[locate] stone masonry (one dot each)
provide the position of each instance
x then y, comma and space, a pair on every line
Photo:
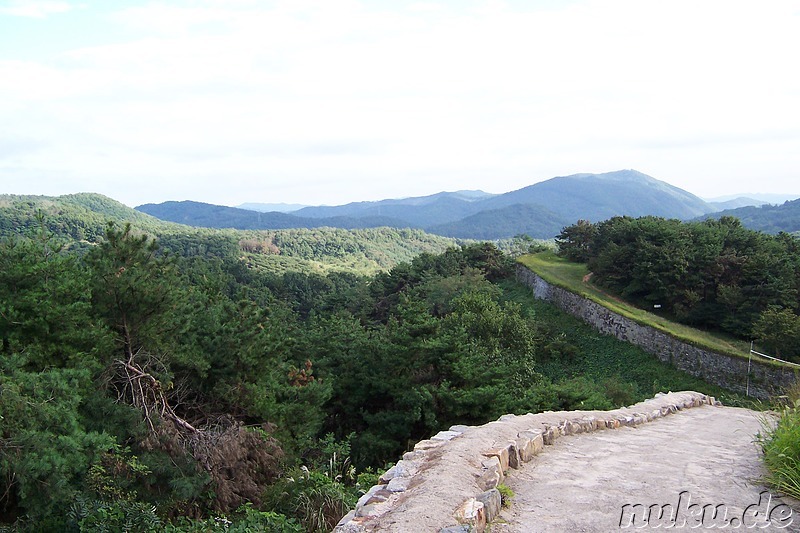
729, 372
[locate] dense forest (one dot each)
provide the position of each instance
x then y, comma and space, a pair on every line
713, 274
767, 218
171, 383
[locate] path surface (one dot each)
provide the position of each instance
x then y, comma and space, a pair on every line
698, 457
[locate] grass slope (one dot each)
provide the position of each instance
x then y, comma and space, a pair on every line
606, 360
570, 276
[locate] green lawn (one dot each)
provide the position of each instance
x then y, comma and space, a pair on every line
567, 275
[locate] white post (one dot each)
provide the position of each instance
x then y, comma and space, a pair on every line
749, 360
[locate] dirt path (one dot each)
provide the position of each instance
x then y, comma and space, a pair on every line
704, 456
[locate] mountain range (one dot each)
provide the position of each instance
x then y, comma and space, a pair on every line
539, 210
767, 218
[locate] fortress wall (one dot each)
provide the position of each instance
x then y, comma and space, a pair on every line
448, 483
726, 371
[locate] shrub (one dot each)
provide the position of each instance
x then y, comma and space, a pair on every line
781, 445
315, 500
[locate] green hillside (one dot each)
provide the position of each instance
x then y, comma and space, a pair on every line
533, 220
767, 218
82, 218
572, 276
251, 380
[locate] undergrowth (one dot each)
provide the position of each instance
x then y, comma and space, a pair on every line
781, 445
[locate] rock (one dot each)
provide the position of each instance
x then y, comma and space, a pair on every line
502, 453
550, 435
492, 503
398, 484
387, 476
349, 524
513, 455
463, 528
427, 444
472, 513
446, 435
491, 474
413, 456
363, 500
459, 428
524, 448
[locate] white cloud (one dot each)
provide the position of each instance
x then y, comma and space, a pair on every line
417, 97
34, 8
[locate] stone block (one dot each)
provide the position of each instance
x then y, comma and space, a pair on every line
427, 444
349, 524
389, 475
445, 435
514, 460
364, 500
503, 453
524, 449
413, 456
472, 513
538, 442
491, 473
550, 435
492, 503
398, 484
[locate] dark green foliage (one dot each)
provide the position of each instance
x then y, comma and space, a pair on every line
714, 274
535, 220
171, 385
778, 329
311, 498
767, 218
574, 242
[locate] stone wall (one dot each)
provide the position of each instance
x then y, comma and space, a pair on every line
726, 371
448, 483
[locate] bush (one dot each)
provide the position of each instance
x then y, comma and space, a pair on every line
315, 500
781, 445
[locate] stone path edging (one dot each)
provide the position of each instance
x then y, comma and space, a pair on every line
423, 484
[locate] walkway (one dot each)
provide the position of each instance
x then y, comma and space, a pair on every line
686, 465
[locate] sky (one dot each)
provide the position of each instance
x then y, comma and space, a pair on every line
332, 101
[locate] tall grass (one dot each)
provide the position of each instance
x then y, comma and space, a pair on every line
781, 444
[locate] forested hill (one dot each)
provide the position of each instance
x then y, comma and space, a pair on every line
713, 274
191, 391
767, 218
81, 219
539, 210
81, 216
218, 216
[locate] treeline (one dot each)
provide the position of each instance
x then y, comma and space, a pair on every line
141, 389
714, 274
150, 388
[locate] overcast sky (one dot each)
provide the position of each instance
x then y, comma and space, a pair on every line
330, 101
